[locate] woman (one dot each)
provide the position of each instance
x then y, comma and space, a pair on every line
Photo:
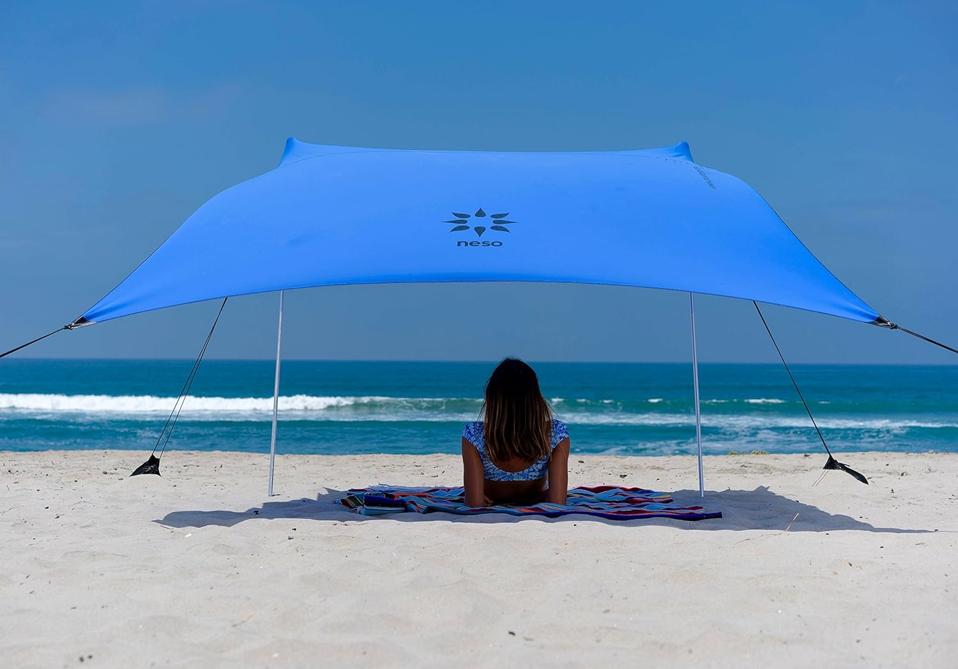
519, 454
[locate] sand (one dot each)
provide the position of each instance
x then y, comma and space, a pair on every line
194, 570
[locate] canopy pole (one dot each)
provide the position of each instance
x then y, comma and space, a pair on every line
279, 352
695, 391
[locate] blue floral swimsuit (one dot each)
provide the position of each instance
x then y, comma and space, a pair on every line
537, 470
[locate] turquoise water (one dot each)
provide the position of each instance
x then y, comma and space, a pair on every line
419, 407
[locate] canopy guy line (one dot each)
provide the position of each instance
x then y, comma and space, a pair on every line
78, 323
152, 464
34, 341
885, 323
831, 463
185, 390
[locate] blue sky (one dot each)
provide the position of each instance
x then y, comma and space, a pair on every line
117, 120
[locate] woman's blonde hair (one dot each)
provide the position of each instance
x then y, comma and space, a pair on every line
517, 418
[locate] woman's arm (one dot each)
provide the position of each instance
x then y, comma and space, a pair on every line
472, 476
559, 472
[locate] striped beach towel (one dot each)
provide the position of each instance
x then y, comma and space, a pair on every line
610, 502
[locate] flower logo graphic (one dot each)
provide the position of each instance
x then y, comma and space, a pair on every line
479, 222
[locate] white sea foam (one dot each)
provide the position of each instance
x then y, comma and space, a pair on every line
426, 409
747, 423
370, 407
153, 403
764, 400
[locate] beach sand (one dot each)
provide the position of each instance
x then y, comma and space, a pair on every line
194, 570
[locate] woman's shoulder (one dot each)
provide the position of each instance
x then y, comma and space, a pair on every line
473, 432
560, 431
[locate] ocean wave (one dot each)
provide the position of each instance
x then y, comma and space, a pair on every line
744, 423
375, 408
226, 407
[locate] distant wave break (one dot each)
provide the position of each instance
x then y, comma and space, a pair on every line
425, 409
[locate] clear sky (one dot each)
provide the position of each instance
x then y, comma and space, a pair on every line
117, 120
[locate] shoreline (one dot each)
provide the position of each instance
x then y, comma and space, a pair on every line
172, 452
199, 568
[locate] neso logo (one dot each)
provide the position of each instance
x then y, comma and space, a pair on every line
479, 222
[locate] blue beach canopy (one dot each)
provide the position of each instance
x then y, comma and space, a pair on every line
335, 215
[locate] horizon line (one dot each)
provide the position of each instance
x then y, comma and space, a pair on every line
487, 361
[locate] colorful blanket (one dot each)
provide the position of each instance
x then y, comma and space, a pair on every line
609, 502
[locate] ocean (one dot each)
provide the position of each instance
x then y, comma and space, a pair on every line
420, 407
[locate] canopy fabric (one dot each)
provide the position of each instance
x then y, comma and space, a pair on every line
334, 215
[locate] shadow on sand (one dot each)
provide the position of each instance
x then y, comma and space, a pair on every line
759, 509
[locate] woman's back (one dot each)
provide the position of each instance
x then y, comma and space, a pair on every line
506, 471
519, 453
